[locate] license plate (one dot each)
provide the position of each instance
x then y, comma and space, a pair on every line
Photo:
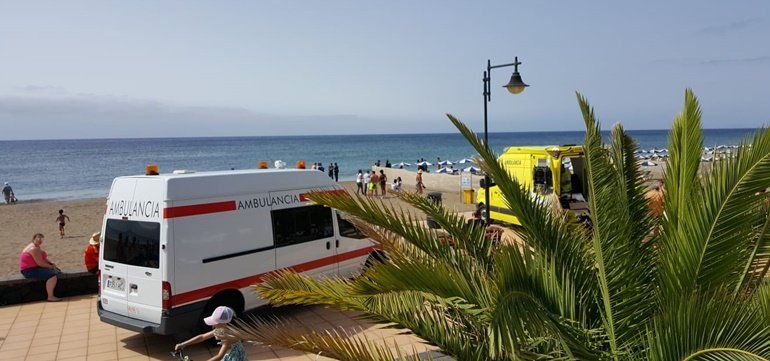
116, 283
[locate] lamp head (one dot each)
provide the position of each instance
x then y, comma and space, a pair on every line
516, 85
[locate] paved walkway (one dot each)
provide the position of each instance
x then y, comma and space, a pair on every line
71, 330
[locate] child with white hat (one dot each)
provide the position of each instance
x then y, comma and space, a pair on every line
230, 351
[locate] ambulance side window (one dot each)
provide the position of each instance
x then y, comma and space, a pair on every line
301, 224
347, 229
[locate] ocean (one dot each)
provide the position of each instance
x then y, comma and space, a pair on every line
77, 169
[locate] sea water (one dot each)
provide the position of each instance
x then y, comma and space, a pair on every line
74, 169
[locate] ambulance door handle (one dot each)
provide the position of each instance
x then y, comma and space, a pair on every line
328, 245
337, 243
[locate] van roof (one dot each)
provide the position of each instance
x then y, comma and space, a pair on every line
543, 149
231, 182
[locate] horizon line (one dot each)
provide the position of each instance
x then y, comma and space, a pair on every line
344, 135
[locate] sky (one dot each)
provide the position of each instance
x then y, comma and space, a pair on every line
116, 69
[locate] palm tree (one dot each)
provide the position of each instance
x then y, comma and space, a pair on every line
692, 290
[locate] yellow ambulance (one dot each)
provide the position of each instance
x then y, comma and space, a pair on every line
550, 172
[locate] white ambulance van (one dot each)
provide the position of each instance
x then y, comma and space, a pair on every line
176, 246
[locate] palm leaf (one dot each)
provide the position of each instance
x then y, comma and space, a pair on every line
620, 223
709, 328
336, 343
555, 237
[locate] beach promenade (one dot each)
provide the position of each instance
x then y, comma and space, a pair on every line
71, 330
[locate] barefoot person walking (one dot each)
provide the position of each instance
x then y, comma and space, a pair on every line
62, 219
34, 264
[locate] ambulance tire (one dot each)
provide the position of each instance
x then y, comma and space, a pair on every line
229, 298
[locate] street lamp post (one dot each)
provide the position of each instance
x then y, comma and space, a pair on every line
514, 86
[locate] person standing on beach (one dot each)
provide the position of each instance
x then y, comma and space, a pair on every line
419, 184
383, 182
375, 179
360, 183
320, 166
8, 193
367, 180
387, 163
62, 219
331, 170
336, 172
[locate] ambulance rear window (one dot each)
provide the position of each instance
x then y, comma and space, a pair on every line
132, 243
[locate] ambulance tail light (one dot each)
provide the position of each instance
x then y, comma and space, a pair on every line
99, 282
151, 169
166, 295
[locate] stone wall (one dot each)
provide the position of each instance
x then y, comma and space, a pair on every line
17, 289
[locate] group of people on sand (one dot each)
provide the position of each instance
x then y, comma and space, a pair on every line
333, 171
368, 183
35, 264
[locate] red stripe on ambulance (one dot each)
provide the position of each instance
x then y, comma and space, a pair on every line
197, 209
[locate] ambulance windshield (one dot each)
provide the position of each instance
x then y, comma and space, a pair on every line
132, 243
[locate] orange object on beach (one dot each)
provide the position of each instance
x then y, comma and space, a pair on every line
262, 164
300, 164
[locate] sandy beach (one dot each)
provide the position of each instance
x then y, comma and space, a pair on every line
20, 221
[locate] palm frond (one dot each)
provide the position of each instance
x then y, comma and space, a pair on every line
555, 237
758, 261
718, 231
709, 328
464, 235
617, 211
685, 149
335, 343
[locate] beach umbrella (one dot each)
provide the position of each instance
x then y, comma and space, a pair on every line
445, 162
471, 169
647, 163
465, 161
402, 164
706, 159
445, 170
424, 164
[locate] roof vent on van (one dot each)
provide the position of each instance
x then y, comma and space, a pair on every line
183, 171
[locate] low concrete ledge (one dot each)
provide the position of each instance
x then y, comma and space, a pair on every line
17, 289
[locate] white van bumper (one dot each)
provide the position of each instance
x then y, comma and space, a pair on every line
179, 320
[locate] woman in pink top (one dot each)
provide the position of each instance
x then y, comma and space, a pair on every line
34, 263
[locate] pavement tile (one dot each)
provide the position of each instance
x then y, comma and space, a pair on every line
105, 356
35, 350
71, 345
101, 348
80, 351
101, 339
51, 356
17, 354
15, 345
134, 358
76, 358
